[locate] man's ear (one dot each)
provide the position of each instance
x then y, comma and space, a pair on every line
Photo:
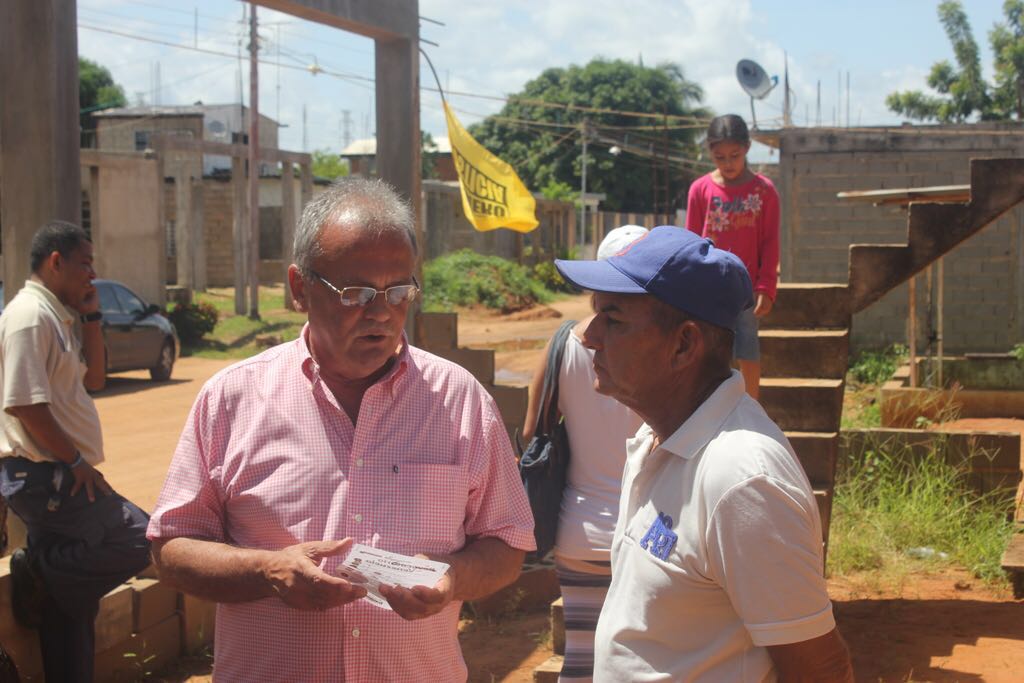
688, 341
298, 286
55, 261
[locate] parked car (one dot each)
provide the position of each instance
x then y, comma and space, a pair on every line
135, 334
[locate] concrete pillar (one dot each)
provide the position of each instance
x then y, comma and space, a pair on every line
287, 226
240, 231
398, 117
198, 231
38, 126
184, 240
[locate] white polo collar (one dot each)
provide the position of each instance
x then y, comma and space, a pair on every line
706, 422
41, 292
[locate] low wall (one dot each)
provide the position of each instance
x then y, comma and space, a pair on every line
994, 458
141, 627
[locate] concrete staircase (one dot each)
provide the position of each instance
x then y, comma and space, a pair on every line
805, 340
438, 333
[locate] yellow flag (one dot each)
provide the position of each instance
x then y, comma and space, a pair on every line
493, 196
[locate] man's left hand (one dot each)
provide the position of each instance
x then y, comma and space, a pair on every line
419, 602
90, 303
764, 305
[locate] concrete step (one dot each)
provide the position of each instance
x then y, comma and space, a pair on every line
874, 270
479, 362
817, 452
1013, 562
804, 353
809, 305
437, 331
548, 671
803, 404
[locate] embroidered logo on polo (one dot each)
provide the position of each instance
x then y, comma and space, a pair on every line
660, 537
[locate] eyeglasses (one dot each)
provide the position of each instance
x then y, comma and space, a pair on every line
362, 296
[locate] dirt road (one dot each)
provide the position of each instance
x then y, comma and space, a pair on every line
142, 421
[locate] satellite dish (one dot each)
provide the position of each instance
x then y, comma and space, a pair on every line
755, 81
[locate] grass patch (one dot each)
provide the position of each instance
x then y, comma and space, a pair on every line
876, 366
238, 336
896, 511
465, 278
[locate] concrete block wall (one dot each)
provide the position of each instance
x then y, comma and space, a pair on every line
984, 277
141, 627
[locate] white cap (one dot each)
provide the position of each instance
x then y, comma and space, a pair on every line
618, 239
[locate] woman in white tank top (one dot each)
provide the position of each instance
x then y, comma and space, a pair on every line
598, 427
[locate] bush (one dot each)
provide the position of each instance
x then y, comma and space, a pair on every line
548, 275
1018, 351
193, 321
877, 366
465, 278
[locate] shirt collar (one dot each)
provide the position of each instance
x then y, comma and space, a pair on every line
390, 379
698, 429
41, 292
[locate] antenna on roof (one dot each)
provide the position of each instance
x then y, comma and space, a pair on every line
756, 82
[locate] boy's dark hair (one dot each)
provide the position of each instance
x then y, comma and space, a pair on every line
56, 236
728, 128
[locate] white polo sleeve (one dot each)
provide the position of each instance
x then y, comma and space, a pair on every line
25, 379
765, 550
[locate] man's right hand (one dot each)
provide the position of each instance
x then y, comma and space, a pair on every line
297, 579
92, 479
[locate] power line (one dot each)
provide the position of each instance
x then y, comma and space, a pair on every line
367, 79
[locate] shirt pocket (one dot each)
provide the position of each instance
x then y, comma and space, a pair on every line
425, 508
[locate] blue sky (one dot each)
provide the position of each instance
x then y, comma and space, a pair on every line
492, 48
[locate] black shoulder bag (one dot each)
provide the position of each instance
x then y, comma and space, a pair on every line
545, 462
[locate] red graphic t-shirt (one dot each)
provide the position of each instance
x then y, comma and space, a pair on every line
743, 219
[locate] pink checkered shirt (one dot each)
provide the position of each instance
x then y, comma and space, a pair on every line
268, 459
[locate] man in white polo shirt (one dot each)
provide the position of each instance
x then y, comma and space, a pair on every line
83, 539
717, 557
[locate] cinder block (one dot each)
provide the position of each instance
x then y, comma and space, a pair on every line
198, 618
549, 671
153, 602
141, 654
21, 643
558, 626
114, 620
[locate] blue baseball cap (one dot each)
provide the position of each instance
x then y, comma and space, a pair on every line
677, 266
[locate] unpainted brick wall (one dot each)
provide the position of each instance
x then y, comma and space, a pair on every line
984, 277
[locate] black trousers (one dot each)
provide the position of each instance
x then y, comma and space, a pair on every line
82, 550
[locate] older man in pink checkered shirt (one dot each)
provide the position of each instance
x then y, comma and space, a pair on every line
347, 434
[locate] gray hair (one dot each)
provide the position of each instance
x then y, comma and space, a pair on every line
357, 203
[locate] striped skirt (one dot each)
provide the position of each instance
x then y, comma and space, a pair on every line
584, 586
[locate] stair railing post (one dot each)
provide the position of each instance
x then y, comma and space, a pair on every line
938, 314
912, 330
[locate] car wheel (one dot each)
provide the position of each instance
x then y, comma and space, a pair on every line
161, 372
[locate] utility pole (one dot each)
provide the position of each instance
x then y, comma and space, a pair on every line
346, 122
583, 184
254, 167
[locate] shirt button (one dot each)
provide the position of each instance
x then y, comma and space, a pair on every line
359, 462
359, 518
355, 633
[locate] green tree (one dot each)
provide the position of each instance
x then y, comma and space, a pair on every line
327, 164
428, 155
96, 90
548, 150
962, 91
1007, 40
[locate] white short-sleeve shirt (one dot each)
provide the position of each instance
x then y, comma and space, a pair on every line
717, 552
41, 362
